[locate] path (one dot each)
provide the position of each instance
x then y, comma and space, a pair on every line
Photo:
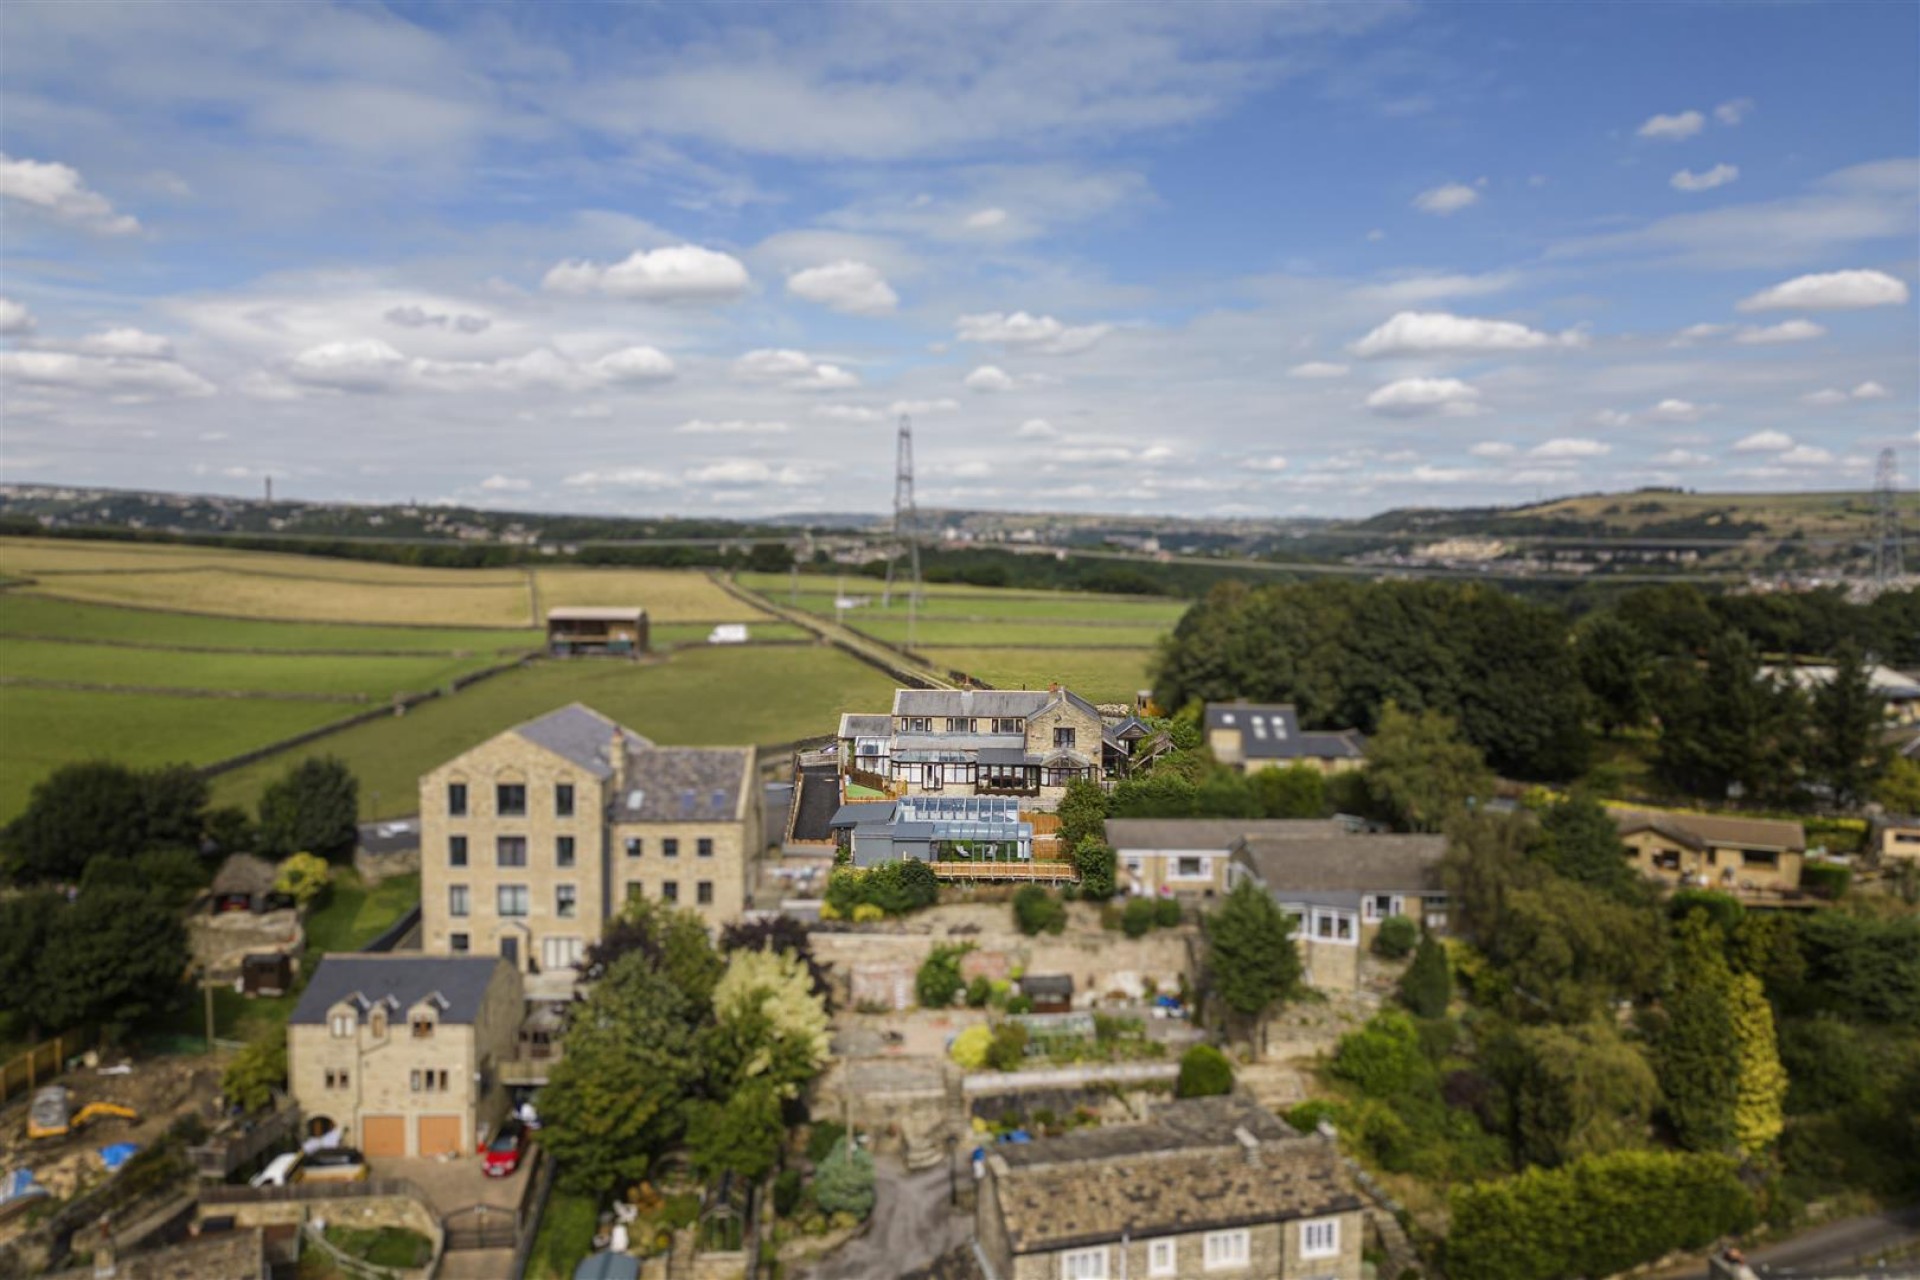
873, 652
912, 1225
1839, 1242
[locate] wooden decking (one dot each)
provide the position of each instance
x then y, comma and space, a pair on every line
1041, 872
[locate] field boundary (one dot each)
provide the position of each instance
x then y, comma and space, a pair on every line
879, 656
177, 691
49, 594
250, 651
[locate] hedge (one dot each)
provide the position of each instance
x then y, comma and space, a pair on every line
1594, 1217
1826, 879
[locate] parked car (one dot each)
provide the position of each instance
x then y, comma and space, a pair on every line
504, 1150
333, 1164
280, 1170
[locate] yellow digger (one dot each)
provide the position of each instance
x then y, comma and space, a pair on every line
52, 1114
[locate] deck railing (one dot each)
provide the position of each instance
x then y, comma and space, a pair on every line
1045, 872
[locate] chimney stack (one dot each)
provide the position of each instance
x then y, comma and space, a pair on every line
617, 758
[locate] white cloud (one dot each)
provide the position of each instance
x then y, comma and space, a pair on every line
729, 427
59, 192
371, 365
415, 316
1676, 410
1785, 331
1412, 397
1449, 198
1612, 418
1806, 455
1569, 447
1492, 449
985, 219
794, 369
1706, 180
732, 473
988, 378
847, 413
1699, 333
103, 375
1830, 291
1764, 442
920, 408
1272, 462
505, 484
634, 364
1318, 369
1421, 287
366, 364
1733, 112
1869, 391
1824, 398
621, 478
1682, 458
678, 273
1439, 332
1035, 429
853, 288
1038, 333
127, 342
1673, 128
15, 318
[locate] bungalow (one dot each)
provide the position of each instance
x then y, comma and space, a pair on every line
1205, 1186
980, 741
1252, 736
1750, 855
1190, 855
1340, 888
1894, 839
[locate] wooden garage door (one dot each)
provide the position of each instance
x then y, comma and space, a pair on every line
383, 1135
439, 1135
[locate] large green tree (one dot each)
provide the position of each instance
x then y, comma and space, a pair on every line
1725, 724
1581, 841
113, 956
1252, 961
1846, 718
100, 809
1616, 666
1576, 1091
312, 808
1421, 771
1083, 812
1695, 1046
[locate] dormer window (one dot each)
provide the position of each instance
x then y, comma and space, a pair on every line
341, 1025
377, 1023
422, 1026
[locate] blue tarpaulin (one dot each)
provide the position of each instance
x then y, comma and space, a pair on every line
117, 1154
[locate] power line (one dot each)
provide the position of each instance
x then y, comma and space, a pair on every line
1888, 562
906, 531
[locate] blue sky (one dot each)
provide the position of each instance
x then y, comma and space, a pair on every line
1251, 259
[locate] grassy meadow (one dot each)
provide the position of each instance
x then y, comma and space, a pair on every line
24, 616
1102, 675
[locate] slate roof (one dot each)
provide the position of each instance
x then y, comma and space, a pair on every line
460, 981
1213, 833
580, 734
244, 873
1271, 731
683, 784
969, 702
1222, 1163
1344, 864
1698, 830
862, 724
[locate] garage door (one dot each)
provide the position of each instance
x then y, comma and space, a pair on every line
383, 1135
439, 1135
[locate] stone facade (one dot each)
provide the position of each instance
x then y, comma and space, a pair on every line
706, 871
1733, 854
427, 1077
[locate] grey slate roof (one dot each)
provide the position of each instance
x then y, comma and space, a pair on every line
969, 702
683, 784
1202, 834
461, 981
1271, 731
864, 724
1344, 864
580, 734
1186, 1124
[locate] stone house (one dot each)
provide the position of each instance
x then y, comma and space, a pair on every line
1738, 855
1340, 888
1190, 855
401, 1052
1206, 1186
982, 742
1892, 840
1254, 736
532, 840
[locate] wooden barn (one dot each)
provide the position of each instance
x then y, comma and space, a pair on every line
595, 631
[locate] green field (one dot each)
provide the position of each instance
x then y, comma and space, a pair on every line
361, 676
699, 697
1101, 675
33, 615
674, 634
1028, 635
981, 604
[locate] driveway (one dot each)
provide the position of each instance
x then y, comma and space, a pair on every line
912, 1225
1838, 1242
457, 1183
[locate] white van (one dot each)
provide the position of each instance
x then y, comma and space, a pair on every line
279, 1171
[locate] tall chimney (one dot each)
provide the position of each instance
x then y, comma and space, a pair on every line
617, 761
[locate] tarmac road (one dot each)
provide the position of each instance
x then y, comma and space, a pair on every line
1838, 1242
912, 1226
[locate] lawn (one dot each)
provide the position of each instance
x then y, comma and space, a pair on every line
984, 605
704, 696
334, 675
1102, 675
566, 1236
1029, 635
674, 634
36, 616
668, 595
355, 913
42, 729
20, 557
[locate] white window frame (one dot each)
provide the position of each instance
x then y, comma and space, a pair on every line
1229, 1250
459, 901
1320, 1238
1334, 918
1175, 873
1084, 1264
1162, 1257
341, 1025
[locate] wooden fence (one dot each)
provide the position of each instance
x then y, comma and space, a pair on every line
44, 1062
1040, 872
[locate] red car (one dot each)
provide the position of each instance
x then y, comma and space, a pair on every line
504, 1150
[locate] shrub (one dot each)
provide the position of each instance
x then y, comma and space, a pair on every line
1828, 1064
969, 1048
304, 876
1427, 985
1722, 908
867, 913
1036, 911
1166, 912
938, 981
896, 888
1437, 1038
1094, 862
826, 1135
1383, 1057
1826, 879
1396, 938
786, 1192
1595, 1217
1138, 918
1008, 1050
256, 1071
1306, 1117
844, 1182
1204, 1073
979, 991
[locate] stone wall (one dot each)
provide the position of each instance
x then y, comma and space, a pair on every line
375, 867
